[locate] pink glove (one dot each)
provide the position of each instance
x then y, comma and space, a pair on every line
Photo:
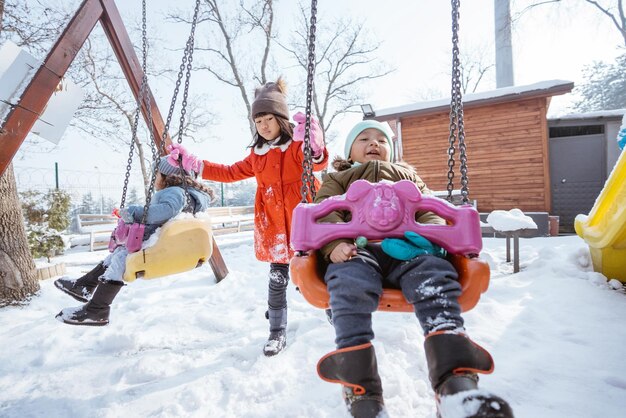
316, 134
191, 163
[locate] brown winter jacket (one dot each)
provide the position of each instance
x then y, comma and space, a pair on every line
278, 173
373, 171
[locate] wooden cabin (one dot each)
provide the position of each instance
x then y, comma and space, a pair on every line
506, 134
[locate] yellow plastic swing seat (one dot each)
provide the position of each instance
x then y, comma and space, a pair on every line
307, 272
182, 245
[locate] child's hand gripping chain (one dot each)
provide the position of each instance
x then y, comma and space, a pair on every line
316, 135
191, 163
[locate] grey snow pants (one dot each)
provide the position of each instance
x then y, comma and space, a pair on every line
427, 282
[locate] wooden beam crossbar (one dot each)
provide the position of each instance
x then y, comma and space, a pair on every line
115, 31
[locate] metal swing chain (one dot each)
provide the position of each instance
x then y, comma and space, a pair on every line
129, 161
186, 63
183, 106
144, 84
308, 179
457, 128
140, 97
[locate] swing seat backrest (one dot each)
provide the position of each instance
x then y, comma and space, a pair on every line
384, 210
182, 245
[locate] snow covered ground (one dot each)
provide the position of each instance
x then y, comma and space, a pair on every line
184, 346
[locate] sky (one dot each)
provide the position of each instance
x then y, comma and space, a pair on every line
549, 43
186, 346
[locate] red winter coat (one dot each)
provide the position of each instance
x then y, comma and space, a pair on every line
278, 173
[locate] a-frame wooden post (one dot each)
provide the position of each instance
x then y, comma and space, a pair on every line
32, 103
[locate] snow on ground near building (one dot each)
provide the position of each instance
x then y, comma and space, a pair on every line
184, 346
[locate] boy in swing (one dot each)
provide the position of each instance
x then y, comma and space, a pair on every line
102, 284
355, 278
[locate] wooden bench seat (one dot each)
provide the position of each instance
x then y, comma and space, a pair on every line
229, 219
224, 220
97, 225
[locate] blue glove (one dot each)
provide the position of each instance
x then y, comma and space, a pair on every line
621, 138
414, 245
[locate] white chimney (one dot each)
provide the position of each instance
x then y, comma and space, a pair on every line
504, 47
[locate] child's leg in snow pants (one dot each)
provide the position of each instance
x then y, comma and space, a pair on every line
429, 283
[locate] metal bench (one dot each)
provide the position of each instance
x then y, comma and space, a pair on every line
489, 231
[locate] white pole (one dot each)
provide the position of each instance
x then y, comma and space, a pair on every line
99, 189
504, 47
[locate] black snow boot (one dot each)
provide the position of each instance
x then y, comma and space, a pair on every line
278, 331
82, 288
357, 370
96, 311
453, 361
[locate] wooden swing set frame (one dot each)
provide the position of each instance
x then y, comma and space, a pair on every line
36, 95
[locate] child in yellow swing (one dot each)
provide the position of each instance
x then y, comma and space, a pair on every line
355, 277
100, 286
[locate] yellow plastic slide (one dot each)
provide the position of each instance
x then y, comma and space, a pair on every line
604, 230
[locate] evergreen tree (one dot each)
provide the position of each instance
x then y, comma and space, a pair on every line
32, 208
109, 205
59, 205
241, 193
88, 205
604, 88
44, 217
44, 241
132, 198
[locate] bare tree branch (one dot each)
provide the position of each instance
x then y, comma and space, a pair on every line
475, 64
263, 20
618, 18
619, 21
225, 39
34, 25
344, 63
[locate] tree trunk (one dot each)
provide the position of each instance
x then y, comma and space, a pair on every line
18, 278
1, 13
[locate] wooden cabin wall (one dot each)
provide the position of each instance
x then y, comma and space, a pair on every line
507, 152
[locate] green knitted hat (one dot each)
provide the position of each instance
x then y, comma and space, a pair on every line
366, 124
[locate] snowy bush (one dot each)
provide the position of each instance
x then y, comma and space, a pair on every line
45, 216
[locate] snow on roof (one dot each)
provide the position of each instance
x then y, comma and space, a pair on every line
617, 113
553, 87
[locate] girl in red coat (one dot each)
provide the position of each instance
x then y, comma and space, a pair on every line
275, 160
